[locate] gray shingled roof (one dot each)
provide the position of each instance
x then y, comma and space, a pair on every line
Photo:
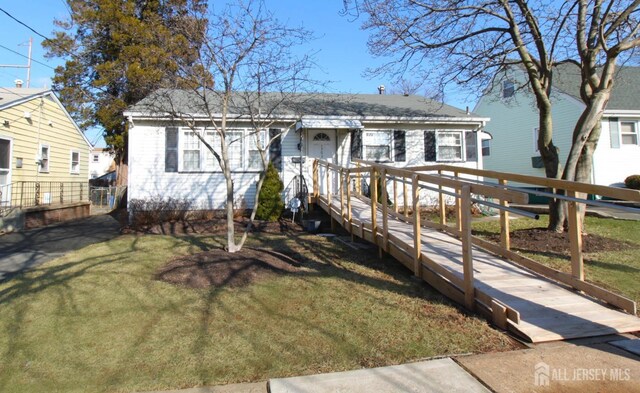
626, 88
11, 95
320, 104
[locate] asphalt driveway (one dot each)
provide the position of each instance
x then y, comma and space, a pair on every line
30, 248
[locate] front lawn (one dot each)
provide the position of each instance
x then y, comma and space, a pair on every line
98, 320
617, 270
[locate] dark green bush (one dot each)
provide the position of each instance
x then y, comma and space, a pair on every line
633, 182
270, 204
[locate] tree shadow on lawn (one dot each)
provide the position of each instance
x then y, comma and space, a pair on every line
324, 261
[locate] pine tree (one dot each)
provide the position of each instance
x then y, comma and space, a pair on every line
117, 52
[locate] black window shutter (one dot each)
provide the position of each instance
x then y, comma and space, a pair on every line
171, 149
275, 149
430, 146
399, 146
471, 144
356, 144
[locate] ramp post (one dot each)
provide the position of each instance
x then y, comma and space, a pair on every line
467, 255
417, 238
504, 221
373, 187
385, 210
441, 203
575, 238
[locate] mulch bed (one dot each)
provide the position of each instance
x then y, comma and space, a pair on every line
543, 240
215, 226
218, 268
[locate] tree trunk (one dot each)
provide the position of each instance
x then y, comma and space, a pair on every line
551, 160
231, 238
122, 170
584, 167
587, 123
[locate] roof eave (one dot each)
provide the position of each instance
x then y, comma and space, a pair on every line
368, 119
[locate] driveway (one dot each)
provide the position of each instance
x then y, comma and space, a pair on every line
30, 248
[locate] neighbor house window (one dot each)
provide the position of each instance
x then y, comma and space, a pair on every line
377, 145
44, 159
629, 133
508, 89
190, 151
96, 158
449, 145
486, 147
536, 135
75, 162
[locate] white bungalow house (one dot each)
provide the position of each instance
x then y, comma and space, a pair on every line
167, 160
514, 124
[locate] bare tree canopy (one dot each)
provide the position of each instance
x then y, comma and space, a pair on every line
470, 43
248, 71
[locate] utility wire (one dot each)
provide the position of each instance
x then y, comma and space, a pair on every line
24, 24
32, 59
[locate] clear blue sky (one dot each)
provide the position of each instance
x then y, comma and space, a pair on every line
341, 45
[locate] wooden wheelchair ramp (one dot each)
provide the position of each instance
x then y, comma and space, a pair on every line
511, 293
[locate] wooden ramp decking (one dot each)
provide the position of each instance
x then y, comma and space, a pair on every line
524, 302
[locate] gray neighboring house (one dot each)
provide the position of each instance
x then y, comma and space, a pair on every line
167, 160
514, 124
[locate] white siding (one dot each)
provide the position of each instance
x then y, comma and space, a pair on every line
612, 166
147, 178
207, 190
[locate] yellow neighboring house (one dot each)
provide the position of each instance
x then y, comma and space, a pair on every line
44, 156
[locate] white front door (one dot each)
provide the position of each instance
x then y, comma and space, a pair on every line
322, 146
5, 171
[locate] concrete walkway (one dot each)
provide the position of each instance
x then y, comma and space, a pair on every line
596, 364
30, 248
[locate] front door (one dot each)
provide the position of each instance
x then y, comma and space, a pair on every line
5, 171
322, 146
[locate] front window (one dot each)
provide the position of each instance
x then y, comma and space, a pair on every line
75, 162
449, 146
256, 142
377, 145
190, 151
243, 150
235, 142
44, 159
629, 133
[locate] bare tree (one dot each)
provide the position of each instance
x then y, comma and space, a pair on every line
471, 43
249, 74
605, 32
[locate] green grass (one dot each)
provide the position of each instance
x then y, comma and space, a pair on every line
618, 271
96, 320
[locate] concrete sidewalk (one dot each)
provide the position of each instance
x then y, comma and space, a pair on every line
597, 364
30, 248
